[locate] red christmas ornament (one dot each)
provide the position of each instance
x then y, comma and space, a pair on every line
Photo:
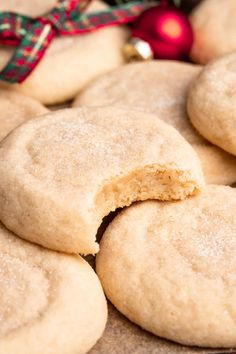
167, 30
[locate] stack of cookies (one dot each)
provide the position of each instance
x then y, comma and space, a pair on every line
156, 139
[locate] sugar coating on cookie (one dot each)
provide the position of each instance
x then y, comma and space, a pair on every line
17, 109
70, 61
212, 103
170, 267
158, 86
161, 87
213, 24
75, 166
49, 302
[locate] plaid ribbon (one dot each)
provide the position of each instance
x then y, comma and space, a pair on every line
32, 36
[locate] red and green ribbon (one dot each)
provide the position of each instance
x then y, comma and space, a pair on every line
32, 36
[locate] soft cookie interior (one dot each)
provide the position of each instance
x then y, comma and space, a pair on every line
149, 182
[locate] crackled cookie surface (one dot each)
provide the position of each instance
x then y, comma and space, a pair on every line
70, 62
161, 87
212, 103
170, 267
75, 166
213, 23
16, 109
49, 302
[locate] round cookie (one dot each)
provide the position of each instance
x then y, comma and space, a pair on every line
70, 62
161, 87
213, 24
49, 302
16, 109
170, 267
212, 103
75, 166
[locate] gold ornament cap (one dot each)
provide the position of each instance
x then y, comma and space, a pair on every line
137, 49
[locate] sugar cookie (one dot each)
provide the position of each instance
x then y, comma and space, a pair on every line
70, 62
75, 166
16, 109
170, 267
50, 303
213, 24
161, 87
212, 103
